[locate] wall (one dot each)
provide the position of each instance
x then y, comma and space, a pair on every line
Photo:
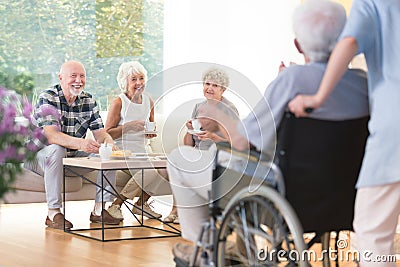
251, 37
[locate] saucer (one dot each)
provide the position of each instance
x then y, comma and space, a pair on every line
196, 132
161, 158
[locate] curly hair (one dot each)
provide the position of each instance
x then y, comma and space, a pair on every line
127, 69
218, 75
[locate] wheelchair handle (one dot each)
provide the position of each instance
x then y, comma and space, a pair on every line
309, 110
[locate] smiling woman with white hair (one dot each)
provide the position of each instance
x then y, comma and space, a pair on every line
126, 70
126, 124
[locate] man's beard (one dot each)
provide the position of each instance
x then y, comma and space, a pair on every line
75, 92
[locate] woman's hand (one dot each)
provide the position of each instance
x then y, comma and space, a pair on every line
149, 136
205, 135
209, 125
189, 125
135, 126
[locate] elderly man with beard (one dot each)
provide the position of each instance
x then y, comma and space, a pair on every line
65, 113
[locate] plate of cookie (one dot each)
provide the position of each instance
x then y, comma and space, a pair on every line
121, 154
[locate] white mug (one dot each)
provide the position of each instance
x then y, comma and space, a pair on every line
150, 126
196, 124
105, 151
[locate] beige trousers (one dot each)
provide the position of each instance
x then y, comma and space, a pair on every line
376, 217
133, 187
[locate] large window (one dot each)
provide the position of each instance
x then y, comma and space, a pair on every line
39, 35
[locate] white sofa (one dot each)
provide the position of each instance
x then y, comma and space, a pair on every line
29, 186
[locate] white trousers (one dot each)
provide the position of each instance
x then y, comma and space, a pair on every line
48, 163
190, 173
376, 216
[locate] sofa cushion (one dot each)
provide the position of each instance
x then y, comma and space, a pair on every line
170, 133
31, 181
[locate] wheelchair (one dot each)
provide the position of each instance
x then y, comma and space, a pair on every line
309, 186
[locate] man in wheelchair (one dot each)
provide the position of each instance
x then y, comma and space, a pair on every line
316, 24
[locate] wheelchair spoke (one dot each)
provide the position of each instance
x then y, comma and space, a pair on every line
251, 234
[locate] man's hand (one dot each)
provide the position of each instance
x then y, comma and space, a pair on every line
89, 146
115, 148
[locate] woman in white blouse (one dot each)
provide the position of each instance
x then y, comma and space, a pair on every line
126, 124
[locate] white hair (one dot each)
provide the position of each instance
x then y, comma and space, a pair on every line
317, 25
127, 69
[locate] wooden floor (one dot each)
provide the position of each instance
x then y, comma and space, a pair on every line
26, 241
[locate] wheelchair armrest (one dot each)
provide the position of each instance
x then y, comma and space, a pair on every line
258, 165
250, 154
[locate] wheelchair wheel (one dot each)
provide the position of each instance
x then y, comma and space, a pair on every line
259, 229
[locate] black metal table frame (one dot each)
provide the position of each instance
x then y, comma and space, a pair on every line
169, 233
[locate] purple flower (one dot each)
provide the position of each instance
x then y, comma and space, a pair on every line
2, 92
38, 133
23, 131
27, 108
2, 157
49, 110
10, 112
10, 152
15, 129
31, 147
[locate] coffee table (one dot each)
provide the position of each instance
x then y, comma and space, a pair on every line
95, 163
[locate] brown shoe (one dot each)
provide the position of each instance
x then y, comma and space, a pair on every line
108, 219
58, 222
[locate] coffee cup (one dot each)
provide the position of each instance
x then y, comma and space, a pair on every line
105, 151
150, 126
196, 124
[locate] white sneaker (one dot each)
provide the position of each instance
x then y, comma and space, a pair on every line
116, 212
147, 211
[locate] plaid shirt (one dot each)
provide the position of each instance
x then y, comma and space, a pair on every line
53, 109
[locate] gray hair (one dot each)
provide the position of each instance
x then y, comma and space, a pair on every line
317, 25
127, 69
218, 75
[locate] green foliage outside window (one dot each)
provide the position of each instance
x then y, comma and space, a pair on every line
120, 26
39, 35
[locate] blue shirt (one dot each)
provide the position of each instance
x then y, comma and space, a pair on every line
349, 100
375, 26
